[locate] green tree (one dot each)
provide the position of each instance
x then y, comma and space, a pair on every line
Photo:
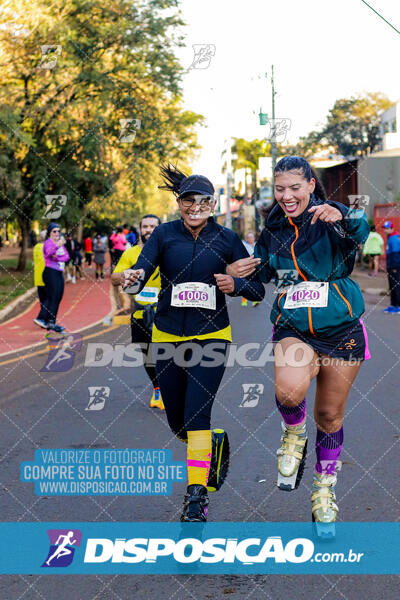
352, 126
60, 125
248, 152
307, 146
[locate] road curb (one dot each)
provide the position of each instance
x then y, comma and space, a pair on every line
7, 311
121, 320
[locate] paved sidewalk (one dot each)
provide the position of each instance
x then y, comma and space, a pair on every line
371, 285
84, 304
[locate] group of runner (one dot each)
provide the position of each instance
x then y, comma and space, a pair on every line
189, 266
58, 260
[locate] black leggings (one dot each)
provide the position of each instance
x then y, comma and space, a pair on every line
394, 285
115, 256
54, 283
189, 392
41, 290
141, 334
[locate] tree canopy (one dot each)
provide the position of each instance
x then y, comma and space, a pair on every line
90, 100
352, 128
353, 124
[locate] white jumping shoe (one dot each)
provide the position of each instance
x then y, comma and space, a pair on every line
291, 456
324, 505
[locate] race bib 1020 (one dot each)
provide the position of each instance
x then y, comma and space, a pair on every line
307, 293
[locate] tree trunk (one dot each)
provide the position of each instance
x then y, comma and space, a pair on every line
80, 231
254, 184
24, 227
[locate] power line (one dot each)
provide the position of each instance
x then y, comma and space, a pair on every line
379, 15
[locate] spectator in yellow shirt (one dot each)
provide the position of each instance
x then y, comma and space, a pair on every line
38, 268
145, 303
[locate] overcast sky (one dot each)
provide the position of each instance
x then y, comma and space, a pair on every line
321, 50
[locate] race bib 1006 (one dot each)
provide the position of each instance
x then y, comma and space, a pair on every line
194, 295
307, 293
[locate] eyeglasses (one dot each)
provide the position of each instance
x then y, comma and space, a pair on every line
204, 202
55, 231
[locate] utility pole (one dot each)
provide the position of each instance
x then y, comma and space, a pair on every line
273, 128
228, 217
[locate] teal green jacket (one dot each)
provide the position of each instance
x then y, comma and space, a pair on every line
319, 252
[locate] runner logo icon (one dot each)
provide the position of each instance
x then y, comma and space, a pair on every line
203, 54
62, 353
285, 279
55, 205
98, 396
251, 394
62, 547
357, 204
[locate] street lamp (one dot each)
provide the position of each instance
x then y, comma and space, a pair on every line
229, 182
264, 121
228, 217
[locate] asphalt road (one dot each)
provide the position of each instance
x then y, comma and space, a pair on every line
47, 410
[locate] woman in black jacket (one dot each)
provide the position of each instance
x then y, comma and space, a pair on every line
192, 317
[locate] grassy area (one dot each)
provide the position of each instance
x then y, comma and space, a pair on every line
12, 283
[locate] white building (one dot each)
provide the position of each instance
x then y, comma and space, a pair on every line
390, 127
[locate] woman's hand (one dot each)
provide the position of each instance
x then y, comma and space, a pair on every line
129, 276
243, 267
326, 213
225, 283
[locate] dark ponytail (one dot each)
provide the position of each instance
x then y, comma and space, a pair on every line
319, 188
298, 163
172, 177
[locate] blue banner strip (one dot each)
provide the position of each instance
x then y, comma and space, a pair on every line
194, 548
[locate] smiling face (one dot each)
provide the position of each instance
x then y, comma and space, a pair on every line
292, 192
196, 214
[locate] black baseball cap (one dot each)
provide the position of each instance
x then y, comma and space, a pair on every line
196, 184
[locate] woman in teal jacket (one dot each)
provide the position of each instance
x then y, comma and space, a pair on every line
308, 247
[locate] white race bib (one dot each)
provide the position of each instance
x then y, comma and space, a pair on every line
194, 295
59, 252
307, 293
148, 294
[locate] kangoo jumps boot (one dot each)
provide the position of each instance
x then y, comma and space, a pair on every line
195, 504
291, 456
219, 460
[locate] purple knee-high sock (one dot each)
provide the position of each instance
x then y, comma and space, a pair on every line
328, 447
292, 415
